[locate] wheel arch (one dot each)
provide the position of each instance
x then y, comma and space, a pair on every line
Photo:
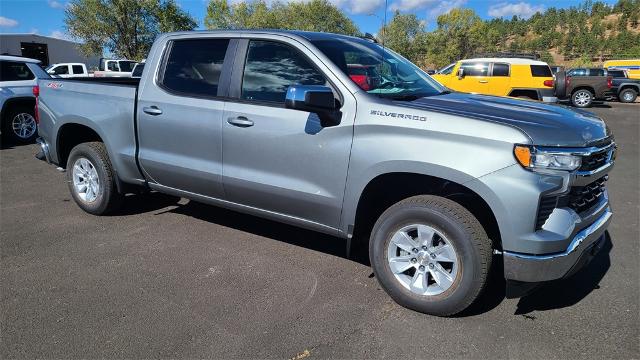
16, 101
532, 93
386, 188
71, 134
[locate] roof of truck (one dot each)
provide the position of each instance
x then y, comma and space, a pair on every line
309, 35
517, 61
18, 58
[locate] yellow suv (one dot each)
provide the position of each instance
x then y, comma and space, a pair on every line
514, 77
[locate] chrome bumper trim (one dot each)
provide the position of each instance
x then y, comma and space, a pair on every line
44, 147
537, 268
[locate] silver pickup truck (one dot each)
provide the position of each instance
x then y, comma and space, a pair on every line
437, 185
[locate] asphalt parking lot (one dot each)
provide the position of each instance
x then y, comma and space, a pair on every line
171, 278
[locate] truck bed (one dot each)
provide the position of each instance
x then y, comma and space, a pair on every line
106, 105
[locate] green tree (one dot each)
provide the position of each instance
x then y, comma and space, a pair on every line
405, 35
314, 15
126, 28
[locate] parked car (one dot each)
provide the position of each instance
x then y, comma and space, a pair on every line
515, 77
583, 86
18, 80
114, 68
436, 185
624, 89
67, 70
632, 66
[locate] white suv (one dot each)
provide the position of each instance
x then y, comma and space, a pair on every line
18, 80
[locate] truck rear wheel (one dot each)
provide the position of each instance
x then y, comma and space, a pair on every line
628, 96
431, 255
91, 179
20, 125
582, 98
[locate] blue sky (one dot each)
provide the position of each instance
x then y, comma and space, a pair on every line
45, 17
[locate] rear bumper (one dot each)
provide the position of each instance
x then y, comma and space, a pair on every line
547, 95
538, 268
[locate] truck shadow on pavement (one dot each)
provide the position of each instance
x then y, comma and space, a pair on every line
570, 291
552, 295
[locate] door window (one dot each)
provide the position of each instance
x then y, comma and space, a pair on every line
596, 72
14, 71
500, 70
475, 69
113, 66
194, 66
271, 67
77, 69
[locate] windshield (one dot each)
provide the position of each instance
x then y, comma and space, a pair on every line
126, 66
379, 71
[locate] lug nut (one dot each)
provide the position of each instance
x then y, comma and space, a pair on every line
414, 260
415, 250
431, 266
421, 268
424, 247
433, 256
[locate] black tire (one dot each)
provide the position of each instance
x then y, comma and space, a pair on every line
462, 229
20, 113
560, 85
108, 199
627, 96
582, 94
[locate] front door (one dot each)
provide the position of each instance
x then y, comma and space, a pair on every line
180, 118
278, 159
475, 78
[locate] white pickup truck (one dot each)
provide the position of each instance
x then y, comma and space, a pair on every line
67, 70
115, 68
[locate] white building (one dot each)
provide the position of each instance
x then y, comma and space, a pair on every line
47, 49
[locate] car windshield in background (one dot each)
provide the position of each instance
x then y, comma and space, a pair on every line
379, 71
127, 66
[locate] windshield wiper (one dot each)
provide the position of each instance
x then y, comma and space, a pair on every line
406, 97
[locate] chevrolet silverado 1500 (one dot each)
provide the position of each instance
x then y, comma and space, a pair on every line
437, 185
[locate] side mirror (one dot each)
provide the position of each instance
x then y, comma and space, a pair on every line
460, 73
316, 99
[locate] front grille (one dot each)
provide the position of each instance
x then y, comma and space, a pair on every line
545, 208
594, 161
582, 198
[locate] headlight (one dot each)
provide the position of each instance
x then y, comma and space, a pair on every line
532, 158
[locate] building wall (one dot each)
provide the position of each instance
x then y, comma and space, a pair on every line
59, 51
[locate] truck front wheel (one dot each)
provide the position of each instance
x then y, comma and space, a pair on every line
91, 179
431, 255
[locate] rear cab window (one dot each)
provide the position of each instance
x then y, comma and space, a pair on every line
596, 72
577, 72
77, 69
193, 67
271, 67
541, 71
15, 71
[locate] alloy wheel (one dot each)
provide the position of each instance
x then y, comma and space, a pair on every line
85, 180
422, 259
24, 125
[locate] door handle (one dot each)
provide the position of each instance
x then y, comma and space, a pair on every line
152, 110
483, 81
240, 121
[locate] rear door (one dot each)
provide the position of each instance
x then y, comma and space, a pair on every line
278, 159
500, 79
180, 116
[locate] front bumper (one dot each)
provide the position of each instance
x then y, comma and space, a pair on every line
538, 268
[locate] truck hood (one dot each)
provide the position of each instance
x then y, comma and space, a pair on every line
547, 125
